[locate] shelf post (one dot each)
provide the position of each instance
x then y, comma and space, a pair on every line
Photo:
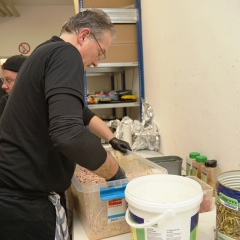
113, 88
140, 56
123, 88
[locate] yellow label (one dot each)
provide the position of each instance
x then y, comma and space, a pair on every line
133, 234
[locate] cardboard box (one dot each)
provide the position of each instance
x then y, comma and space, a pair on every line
124, 47
107, 3
121, 53
101, 207
126, 33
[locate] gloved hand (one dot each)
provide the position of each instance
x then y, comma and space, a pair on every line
120, 145
120, 174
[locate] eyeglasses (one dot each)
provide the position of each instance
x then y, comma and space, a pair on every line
103, 56
8, 82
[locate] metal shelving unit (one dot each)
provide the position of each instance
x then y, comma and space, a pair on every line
120, 15
104, 68
113, 105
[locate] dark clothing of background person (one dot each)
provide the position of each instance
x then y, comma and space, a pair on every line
3, 102
3, 98
51, 79
2, 91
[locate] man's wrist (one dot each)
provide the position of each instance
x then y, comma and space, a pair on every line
112, 139
120, 174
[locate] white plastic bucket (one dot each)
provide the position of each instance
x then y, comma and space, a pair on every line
163, 207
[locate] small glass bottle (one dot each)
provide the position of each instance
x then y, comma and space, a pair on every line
197, 164
192, 156
210, 172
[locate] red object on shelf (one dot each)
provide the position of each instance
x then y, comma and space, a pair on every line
91, 102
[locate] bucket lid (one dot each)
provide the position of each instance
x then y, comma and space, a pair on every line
158, 192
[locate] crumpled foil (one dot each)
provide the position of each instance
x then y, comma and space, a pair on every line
145, 134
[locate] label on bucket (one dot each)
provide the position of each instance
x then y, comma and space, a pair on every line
170, 229
116, 210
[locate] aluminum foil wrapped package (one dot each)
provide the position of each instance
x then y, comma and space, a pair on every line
115, 125
147, 139
118, 125
145, 134
147, 113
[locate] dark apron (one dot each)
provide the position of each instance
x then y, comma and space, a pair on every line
27, 215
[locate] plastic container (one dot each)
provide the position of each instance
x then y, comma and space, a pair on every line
173, 164
163, 207
101, 207
209, 173
227, 204
192, 156
197, 164
207, 202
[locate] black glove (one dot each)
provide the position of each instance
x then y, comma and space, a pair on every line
120, 174
120, 145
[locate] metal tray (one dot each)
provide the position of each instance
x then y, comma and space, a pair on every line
173, 164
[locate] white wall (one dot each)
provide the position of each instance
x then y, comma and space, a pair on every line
35, 25
192, 76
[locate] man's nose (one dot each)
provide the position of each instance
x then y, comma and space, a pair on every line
95, 63
4, 85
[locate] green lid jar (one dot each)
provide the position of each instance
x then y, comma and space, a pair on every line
201, 158
196, 165
191, 156
194, 154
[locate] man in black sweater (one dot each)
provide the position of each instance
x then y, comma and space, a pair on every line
49, 130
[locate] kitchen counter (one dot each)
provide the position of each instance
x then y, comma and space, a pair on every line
206, 225
207, 221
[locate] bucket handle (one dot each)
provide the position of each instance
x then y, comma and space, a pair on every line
152, 222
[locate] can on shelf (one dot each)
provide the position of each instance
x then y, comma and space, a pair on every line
228, 206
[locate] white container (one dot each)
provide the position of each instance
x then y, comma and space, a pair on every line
206, 204
127, 133
163, 207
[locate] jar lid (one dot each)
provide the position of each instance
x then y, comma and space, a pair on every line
211, 163
201, 158
193, 154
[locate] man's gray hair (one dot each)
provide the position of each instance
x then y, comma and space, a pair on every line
95, 19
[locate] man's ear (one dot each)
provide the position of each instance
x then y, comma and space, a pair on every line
83, 33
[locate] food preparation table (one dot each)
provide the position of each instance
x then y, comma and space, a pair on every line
207, 220
207, 223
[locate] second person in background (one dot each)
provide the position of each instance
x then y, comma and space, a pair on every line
9, 72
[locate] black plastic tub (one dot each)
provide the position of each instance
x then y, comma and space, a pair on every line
173, 164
